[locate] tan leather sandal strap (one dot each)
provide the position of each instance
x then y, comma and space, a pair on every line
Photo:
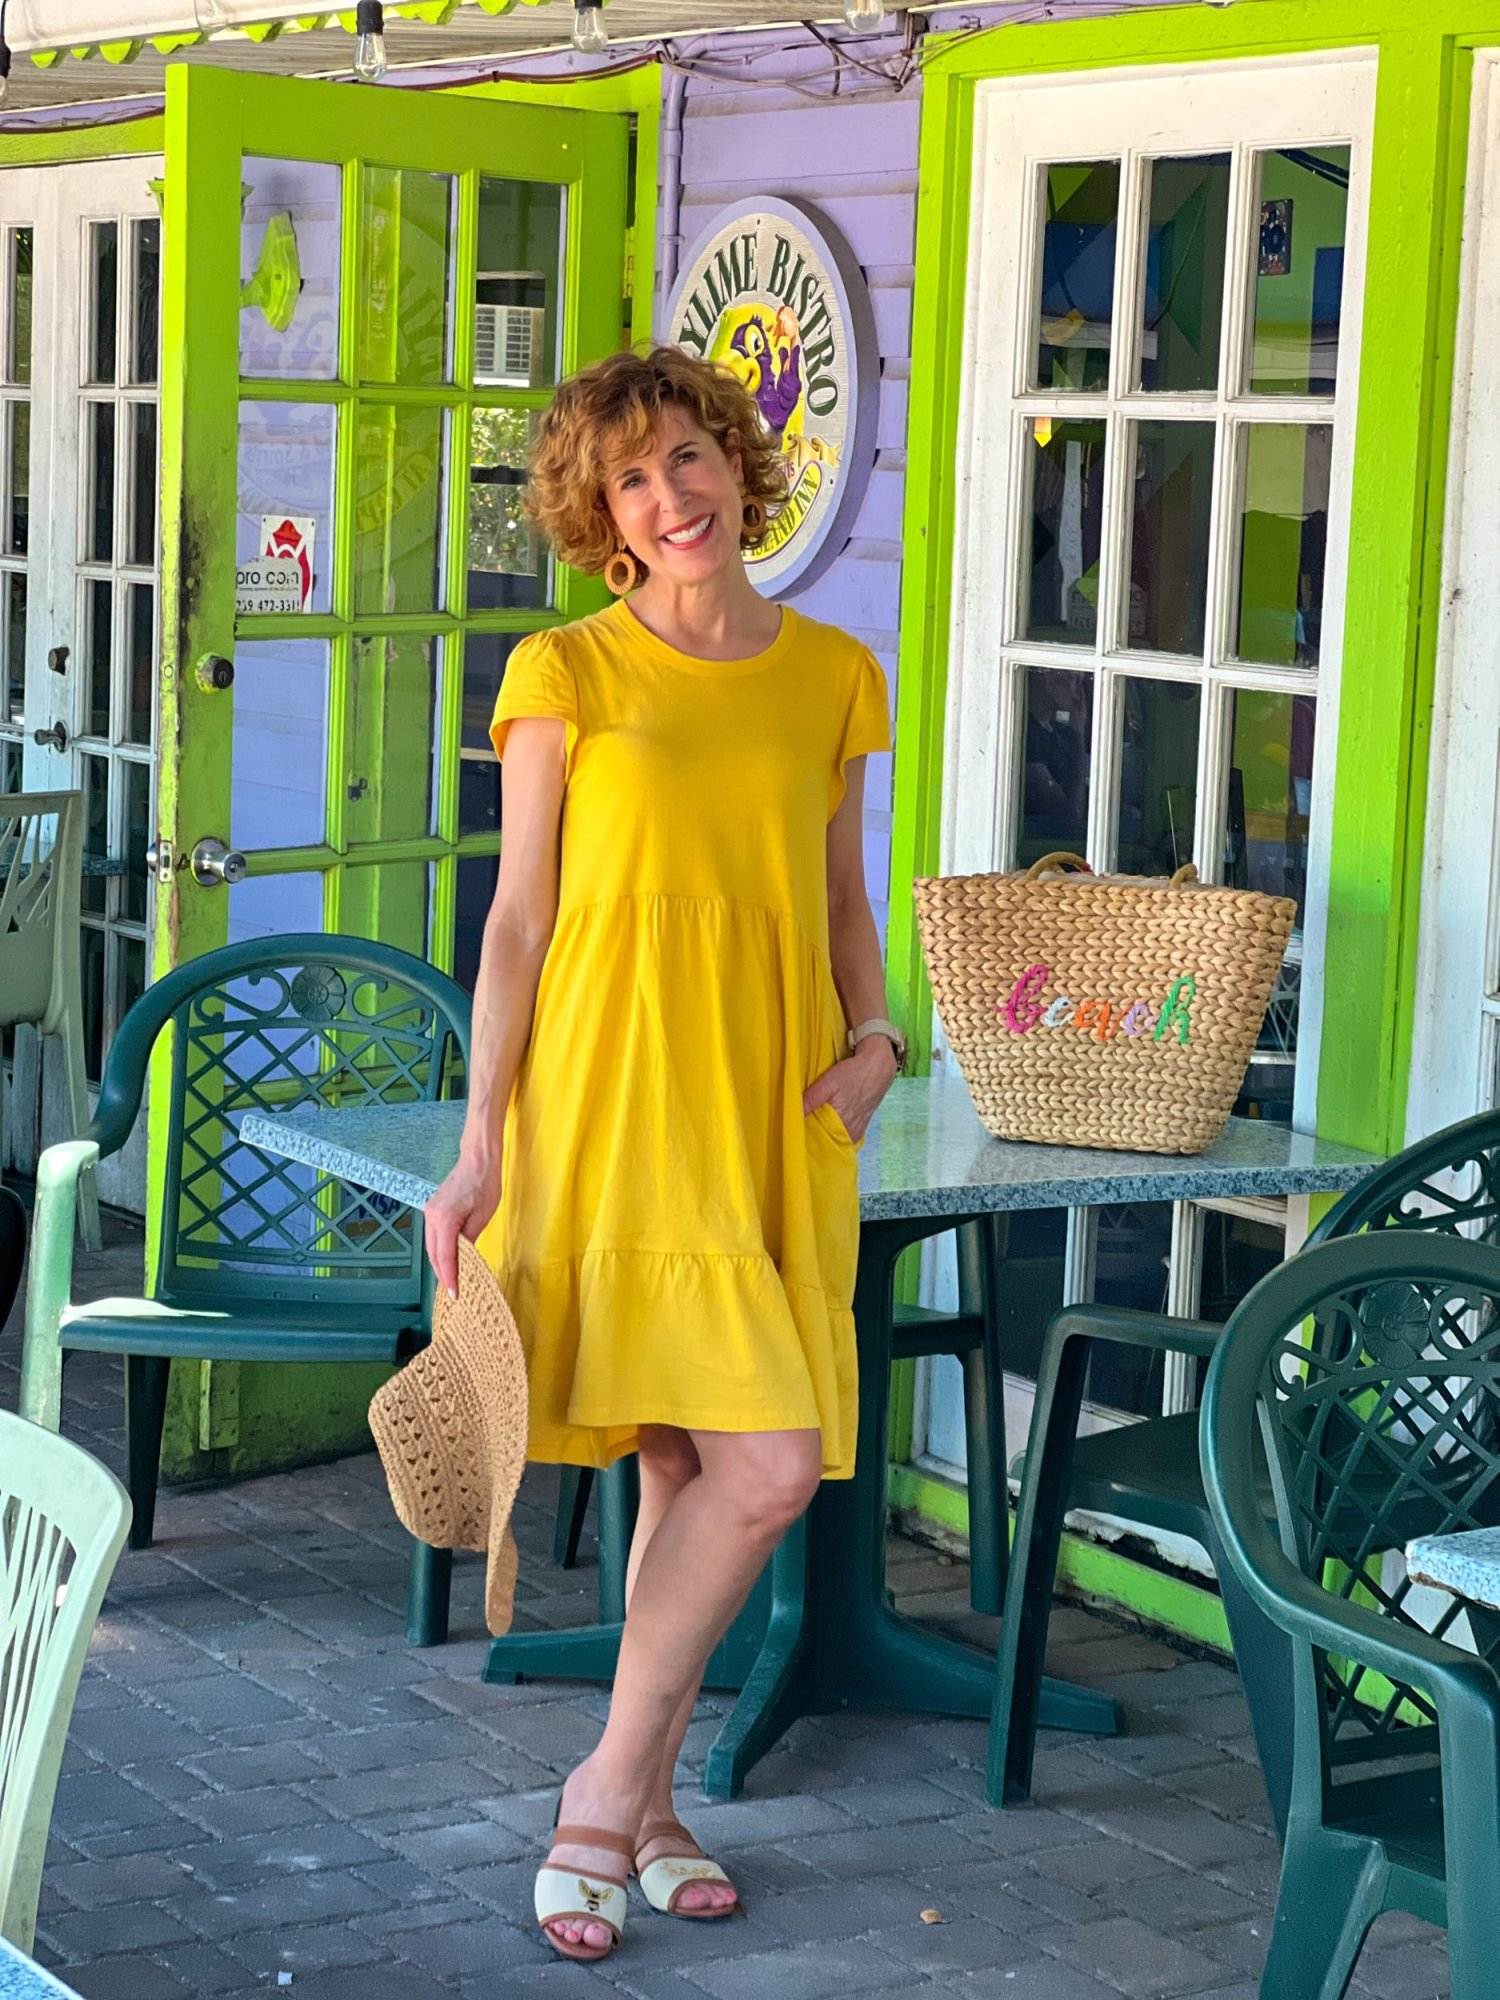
662, 1829
594, 1836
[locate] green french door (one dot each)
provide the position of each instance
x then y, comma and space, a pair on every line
369, 296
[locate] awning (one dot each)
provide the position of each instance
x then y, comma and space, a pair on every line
49, 30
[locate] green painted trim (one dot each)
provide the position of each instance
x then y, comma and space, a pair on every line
1091, 1568
1392, 608
145, 136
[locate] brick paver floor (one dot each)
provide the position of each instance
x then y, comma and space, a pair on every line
263, 1780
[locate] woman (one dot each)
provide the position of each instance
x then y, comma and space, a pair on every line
659, 1151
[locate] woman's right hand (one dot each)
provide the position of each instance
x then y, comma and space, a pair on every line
461, 1207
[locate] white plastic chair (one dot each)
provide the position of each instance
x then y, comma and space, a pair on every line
41, 868
63, 1521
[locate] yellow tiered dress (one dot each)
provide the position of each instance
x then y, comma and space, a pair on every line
677, 1238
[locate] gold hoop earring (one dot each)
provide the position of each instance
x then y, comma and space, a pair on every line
753, 515
622, 572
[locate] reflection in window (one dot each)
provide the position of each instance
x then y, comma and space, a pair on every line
1158, 775
477, 874
516, 291
1056, 752
509, 564
485, 655
1173, 507
19, 358
405, 227
1301, 216
104, 249
1132, 1253
1067, 500
1076, 294
1182, 308
1283, 543
1270, 793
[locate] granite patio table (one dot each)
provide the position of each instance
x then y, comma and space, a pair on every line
1466, 1564
21, 1978
820, 1633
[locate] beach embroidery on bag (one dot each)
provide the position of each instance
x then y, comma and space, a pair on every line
1024, 1009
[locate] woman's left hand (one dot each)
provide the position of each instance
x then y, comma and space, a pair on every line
855, 1086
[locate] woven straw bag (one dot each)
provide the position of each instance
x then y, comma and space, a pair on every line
1101, 1010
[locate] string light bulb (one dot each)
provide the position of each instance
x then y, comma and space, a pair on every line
589, 36
864, 16
369, 46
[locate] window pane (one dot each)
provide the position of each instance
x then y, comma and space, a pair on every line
279, 766
517, 319
389, 900
289, 261
1076, 292
477, 874
391, 741
1132, 1252
140, 639
1301, 215
99, 600
1062, 560
1283, 543
137, 779
19, 359
270, 905
92, 942
146, 304
285, 504
130, 972
1270, 793
101, 518
1158, 775
95, 833
1057, 748
509, 564
485, 655
1173, 506
405, 221
104, 251
15, 646
10, 764
1184, 296
143, 484
398, 508
18, 417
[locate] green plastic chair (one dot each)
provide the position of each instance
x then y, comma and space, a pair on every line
63, 1521
1364, 1375
1150, 1472
971, 1334
257, 1259
41, 866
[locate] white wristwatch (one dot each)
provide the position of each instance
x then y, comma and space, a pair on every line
892, 1034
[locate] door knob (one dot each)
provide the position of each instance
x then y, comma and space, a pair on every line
212, 863
56, 736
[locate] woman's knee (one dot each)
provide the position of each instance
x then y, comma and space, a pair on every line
770, 1479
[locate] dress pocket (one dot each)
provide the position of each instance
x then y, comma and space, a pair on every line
827, 1116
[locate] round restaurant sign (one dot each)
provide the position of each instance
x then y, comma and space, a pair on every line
773, 293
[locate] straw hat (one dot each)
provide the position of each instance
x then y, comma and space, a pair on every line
450, 1428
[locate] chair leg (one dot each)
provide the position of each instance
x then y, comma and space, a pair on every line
428, 1594
1263, 1654
619, 1502
982, 1248
572, 1504
145, 1411
1332, 1890
1033, 1569
78, 1106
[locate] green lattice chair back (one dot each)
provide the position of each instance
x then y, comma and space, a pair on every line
1449, 1184
274, 1025
1371, 1367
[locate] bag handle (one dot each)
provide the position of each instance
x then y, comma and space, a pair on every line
1180, 879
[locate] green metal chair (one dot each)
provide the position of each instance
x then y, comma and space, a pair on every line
63, 1520
41, 986
1149, 1472
971, 1334
256, 1259
1363, 1376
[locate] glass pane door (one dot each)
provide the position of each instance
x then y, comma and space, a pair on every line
398, 325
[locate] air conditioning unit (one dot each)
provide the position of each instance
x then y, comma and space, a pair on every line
507, 343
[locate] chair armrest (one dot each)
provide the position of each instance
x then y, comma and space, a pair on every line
1135, 1329
49, 1284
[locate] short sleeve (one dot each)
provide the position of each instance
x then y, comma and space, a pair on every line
538, 682
867, 724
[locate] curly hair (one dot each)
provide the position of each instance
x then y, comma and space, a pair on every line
606, 414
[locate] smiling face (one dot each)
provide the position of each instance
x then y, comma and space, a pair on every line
677, 504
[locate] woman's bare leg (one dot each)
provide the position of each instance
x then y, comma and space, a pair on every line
694, 1573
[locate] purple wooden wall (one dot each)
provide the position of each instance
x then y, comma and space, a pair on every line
853, 156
